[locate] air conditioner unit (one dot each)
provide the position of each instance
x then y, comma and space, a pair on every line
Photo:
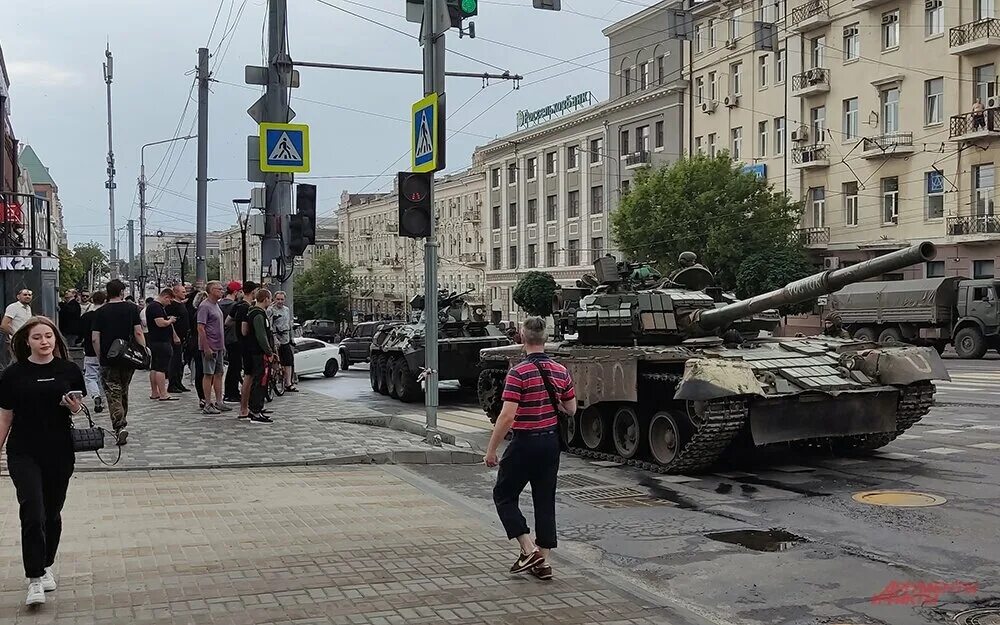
731, 44
888, 18
731, 101
709, 106
993, 102
800, 135
932, 4
831, 262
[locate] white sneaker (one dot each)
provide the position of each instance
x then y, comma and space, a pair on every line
48, 580
36, 595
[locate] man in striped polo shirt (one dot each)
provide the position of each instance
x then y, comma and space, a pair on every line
533, 453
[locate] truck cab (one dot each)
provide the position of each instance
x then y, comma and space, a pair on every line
978, 322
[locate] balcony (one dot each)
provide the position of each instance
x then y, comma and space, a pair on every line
391, 227
473, 258
986, 224
472, 216
816, 237
637, 158
889, 144
969, 127
811, 82
979, 36
867, 4
812, 14
811, 157
362, 264
365, 233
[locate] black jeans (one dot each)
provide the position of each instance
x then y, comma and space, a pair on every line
41, 492
175, 375
196, 364
529, 458
258, 383
234, 372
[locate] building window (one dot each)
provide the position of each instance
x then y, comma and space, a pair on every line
698, 149
550, 254
890, 30
734, 24
495, 259
699, 89
817, 200
762, 138
935, 195
934, 101
984, 78
762, 71
644, 75
573, 156
642, 139
496, 177
852, 42
850, 119
779, 66
850, 192
890, 200
983, 9
596, 248
532, 168
533, 211
779, 136
933, 17
573, 204
982, 269
550, 163
736, 145
623, 143
495, 218
890, 110
698, 34
596, 149
817, 118
713, 87
628, 80
711, 145
935, 269
659, 134
626, 187
596, 200
532, 255
711, 34
817, 51
573, 252
736, 71
512, 173
512, 257
512, 214
661, 69
551, 208
983, 183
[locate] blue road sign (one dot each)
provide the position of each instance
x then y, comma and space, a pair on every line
284, 148
425, 135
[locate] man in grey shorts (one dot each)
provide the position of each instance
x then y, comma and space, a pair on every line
212, 342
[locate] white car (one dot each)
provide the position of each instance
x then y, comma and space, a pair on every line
313, 357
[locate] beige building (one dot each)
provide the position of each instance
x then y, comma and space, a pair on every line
168, 248
390, 268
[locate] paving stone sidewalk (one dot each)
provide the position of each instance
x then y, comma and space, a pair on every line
289, 545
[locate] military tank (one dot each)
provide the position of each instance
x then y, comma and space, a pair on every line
398, 356
668, 379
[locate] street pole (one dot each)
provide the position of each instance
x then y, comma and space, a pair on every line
434, 77
110, 184
131, 254
243, 235
201, 235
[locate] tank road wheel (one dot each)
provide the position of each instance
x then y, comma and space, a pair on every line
890, 336
595, 429
390, 376
407, 387
489, 387
969, 343
865, 334
627, 433
668, 433
569, 430
373, 367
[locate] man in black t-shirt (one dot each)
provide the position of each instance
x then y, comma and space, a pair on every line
178, 308
239, 314
162, 337
117, 319
69, 318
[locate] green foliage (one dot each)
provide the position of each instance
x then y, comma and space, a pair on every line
92, 255
71, 270
212, 268
534, 293
324, 290
710, 207
764, 272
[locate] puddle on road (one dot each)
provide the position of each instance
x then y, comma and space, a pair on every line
759, 540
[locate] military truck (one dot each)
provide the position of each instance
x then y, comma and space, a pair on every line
934, 311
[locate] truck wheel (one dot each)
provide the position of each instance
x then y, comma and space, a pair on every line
970, 343
345, 359
865, 334
373, 372
390, 377
407, 387
890, 336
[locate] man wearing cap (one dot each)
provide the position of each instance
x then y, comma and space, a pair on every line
234, 357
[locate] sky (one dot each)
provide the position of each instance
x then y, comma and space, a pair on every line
359, 121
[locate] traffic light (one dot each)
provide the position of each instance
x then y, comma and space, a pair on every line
297, 227
305, 205
414, 204
459, 10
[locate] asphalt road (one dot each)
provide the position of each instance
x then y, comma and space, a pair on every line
829, 559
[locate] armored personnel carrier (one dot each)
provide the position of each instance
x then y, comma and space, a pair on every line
668, 378
397, 353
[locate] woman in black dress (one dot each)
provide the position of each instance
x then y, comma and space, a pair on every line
36, 405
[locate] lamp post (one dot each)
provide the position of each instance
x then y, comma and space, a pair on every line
158, 268
242, 219
182, 254
142, 198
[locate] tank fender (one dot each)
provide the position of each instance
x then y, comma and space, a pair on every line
903, 365
711, 378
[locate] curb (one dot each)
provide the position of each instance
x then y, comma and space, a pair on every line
393, 423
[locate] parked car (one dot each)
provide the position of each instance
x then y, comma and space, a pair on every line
357, 347
313, 357
322, 329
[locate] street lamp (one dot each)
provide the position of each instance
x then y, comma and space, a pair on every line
142, 197
242, 219
158, 268
182, 255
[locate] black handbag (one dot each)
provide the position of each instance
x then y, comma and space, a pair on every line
128, 354
88, 438
563, 418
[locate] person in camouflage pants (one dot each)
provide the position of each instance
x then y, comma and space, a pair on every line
116, 381
116, 320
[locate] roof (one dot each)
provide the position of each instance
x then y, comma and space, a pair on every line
635, 18
39, 173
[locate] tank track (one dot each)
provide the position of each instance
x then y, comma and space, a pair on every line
723, 420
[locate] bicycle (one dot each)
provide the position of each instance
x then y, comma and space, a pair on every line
276, 380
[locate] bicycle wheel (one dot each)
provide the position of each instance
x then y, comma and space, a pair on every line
278, 380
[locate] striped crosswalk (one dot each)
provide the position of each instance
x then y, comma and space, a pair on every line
975, 387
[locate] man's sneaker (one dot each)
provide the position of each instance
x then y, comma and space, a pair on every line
223, 407
98, 404
542, 571
210, 409
36, 594
243, 416
183, 389
231, 400
175, 389
260, 418
121, 437
266, 411
526, 561
48, 580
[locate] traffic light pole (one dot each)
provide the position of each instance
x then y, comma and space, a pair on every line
434, 77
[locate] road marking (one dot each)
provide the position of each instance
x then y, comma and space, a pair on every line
895, 455
908, 436
984, 427
943, 431
985, 445
942, 451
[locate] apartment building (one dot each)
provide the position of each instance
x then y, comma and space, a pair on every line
551, 187
390, 268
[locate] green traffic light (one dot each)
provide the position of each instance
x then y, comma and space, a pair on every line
469, 7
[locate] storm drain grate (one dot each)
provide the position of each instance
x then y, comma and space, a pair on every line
577, 480
639, 501
980, 616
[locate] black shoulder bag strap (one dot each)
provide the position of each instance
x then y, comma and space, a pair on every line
561, 416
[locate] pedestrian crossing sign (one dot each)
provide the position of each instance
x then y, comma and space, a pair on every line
426, 149
284, 148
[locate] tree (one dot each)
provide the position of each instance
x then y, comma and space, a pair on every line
324, 290
90, 256
212, 267
711, 207
70, 270
534, 293
764, 272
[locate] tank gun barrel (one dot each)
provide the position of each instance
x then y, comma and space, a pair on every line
815, 285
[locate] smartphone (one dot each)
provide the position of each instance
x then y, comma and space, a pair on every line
75, 394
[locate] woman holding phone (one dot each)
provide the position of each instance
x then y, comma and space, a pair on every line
38, 395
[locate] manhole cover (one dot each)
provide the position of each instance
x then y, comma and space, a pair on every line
898, 499
576, 480
980, 616
596, 495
